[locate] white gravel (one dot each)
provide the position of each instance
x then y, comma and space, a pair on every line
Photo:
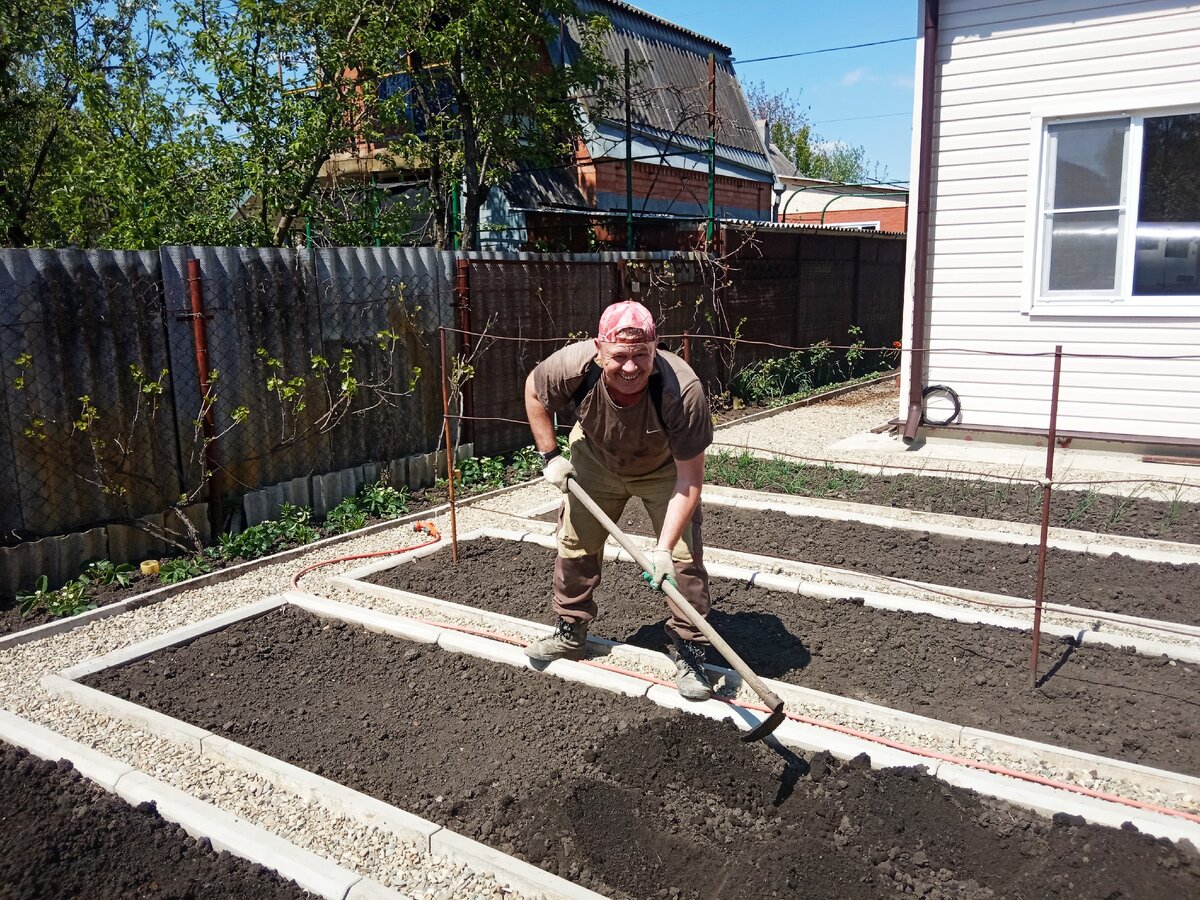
370, 851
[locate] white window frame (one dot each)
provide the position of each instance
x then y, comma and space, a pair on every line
1120, 302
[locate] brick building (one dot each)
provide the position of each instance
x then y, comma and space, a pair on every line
672, 102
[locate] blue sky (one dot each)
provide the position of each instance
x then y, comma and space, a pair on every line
861, 96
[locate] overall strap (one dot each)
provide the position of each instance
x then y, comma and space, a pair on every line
592, 375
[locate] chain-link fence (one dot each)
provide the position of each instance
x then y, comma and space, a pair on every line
172, 387
134, 382
87, 433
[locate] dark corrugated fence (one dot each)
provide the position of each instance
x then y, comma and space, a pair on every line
114, 326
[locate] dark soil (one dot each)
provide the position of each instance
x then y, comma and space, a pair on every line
980, 498
1115, 583
1105, 701
620, 796
66, 837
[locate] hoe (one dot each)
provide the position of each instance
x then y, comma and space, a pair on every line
682, 607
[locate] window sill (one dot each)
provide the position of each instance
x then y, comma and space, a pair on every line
1182, 308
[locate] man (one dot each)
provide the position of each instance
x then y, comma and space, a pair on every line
643, 426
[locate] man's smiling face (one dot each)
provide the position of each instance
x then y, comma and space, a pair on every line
627, 367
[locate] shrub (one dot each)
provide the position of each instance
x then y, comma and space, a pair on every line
382, 501
174, 571
292, 527
105, 571
346, 516
69, 600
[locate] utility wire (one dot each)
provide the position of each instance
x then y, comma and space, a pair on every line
823, 50
859, 118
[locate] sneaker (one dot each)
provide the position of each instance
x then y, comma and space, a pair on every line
690, 677
569, 641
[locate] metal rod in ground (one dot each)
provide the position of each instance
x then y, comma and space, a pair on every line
199, 317
687, 348
680, 605
449, 446
1040, 584
628, 159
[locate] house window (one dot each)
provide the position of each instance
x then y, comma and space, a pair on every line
1119, 213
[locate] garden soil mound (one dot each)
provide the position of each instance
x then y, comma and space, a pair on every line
616, 794
1115, 583
1099, 700
1086, 510
65, 837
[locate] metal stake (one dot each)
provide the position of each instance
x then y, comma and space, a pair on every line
1040, 589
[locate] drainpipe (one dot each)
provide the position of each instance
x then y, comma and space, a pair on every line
916, 356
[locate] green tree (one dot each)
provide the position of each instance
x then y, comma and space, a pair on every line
217, 124
813, 156
486, 95
88, 139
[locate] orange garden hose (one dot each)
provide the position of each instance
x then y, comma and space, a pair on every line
427, 527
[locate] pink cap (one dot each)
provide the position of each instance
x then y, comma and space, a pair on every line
624, 315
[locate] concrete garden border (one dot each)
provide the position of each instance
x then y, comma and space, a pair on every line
199, 819
157, 595
527, 878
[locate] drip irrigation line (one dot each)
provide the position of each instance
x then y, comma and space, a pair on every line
851, 732
965, 351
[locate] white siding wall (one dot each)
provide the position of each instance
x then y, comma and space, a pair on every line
998, 62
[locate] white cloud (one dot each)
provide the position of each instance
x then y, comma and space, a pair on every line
864, 76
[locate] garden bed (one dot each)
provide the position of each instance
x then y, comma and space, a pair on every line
1091, 698
1115, 583
375, 504
66, 837
623, 797
1012, 501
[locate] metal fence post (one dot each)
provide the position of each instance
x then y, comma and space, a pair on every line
1040, 588
450, 454
462, 303
199, 319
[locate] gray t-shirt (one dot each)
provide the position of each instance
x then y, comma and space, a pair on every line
630, 440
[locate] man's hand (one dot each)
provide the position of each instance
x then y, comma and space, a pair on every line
662, 568
557, 471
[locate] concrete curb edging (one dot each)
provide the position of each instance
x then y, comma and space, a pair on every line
427, 836
184, 635
825, 583
157, 595
998, 531
801, 735
199, 819
1178, 786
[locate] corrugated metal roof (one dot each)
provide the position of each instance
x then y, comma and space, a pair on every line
671, 95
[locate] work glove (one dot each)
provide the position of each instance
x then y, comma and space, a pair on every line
557, 471
662, 568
